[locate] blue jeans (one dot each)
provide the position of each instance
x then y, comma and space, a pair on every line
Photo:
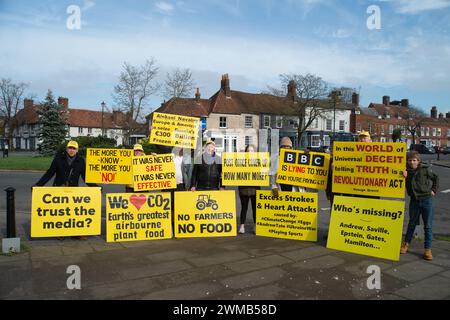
416, 209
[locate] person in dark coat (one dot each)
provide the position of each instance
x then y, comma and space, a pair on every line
207, 172
67, 167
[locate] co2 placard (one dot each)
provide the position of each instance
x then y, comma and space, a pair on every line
290, 215
245, 168
205, 214
109, 166
365, 226
305, 170
138, 216
66, 211
369, 169
174, 130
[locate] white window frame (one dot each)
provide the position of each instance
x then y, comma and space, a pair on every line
248, 125
315, 138
279, 122
328, 124
224, 120
343, 125
266, 118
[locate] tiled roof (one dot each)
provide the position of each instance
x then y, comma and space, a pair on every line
76, 118
186, 106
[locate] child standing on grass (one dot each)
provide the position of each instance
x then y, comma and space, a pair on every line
421, 185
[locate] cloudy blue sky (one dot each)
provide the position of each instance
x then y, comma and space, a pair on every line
251, 40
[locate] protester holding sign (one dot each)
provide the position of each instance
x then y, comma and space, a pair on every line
67, 167
246, 194
421, 185
364, 136
285, 143
138, 151
207, 172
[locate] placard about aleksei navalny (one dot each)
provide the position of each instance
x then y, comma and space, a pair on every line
369, 168
174, 130
290, 215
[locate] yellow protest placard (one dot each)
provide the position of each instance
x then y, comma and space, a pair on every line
290, 215
140, 216
174, 130
304, 170
109, 166
369, 168
205, 214
154, 172
66, 211
370, 227
245, 168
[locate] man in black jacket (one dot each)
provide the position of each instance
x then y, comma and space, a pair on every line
67, 166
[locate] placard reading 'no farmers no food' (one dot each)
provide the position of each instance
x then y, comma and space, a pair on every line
290, 215
66, 211
369, 169
366, 226
174, 130
303, 170
205, 214
245, 168
108, 166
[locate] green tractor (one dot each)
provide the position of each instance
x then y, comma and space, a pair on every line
204, 201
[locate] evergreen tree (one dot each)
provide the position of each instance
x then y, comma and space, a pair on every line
53, 127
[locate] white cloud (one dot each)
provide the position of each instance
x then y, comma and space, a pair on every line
164, 7
418, 6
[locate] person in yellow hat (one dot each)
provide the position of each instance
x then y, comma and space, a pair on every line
364, 136
67, 167
138, 151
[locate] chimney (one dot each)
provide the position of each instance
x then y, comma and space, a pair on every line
117, 117
434, 112
64, 102
225, 84
441, 115
405, 103
292, 90
447, 115
197, 95
355, 99
28, 103
386, 100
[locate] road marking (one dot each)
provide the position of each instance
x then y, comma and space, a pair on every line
446, 191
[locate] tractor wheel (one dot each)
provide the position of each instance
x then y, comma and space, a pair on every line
201, 205
215, 206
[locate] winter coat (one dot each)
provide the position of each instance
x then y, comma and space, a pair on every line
420, 182
207, 176
65, 175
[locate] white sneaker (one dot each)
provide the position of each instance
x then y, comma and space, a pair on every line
242, 229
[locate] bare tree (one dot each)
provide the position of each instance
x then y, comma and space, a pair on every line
179, 84
311, 100
131, 94
11, 96
414, 121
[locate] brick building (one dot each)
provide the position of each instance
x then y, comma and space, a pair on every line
381, 119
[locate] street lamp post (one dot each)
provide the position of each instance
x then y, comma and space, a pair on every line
103, 124
335, 94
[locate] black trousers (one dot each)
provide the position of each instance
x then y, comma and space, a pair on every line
244, 207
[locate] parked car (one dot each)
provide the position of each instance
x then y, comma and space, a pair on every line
445, 150
421, 148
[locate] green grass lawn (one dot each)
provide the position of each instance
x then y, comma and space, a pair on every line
25, 163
